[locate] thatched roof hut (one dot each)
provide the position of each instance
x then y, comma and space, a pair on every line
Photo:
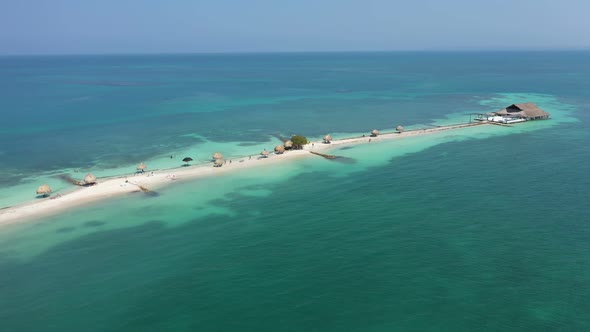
90, 179
218, 162
400, 129
528, 111
328, 139
44, 190
288, 145
217, 155
280, 149
374, 133
141, 167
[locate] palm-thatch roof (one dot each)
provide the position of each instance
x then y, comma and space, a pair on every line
375, 133
44, 190
217, 155
524, 110
141, 167
288, 145
218, 162
279, 149
400, 129
264, 153
327, 138
90, 179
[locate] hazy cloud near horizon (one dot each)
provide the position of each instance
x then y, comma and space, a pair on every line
134, 26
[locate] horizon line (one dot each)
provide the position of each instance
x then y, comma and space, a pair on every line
459, 50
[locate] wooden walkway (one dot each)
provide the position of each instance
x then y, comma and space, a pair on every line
327, 156
498, 124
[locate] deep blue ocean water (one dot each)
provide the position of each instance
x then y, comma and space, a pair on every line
476, 230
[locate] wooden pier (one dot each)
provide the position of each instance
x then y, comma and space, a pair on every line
327, 156
71, 180
144, 189
498, 124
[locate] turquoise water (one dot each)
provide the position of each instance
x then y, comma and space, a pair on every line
479, 229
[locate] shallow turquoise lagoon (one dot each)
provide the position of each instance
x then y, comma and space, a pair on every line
482, 229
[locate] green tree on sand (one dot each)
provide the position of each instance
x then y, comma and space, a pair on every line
298, 141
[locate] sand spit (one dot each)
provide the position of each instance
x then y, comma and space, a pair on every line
116, 186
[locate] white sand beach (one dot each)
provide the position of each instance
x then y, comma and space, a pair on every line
115, 186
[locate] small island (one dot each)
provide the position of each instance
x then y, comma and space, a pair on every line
298, 146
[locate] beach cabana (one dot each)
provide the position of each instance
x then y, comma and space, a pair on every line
279, 149
218, 162
328, 139
217, 155
187, 160
528, 111
288, 145
141, 167
400, 129
89, 179
374, 133
264, 153
44, 190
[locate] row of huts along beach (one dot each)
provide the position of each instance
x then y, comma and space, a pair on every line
89, 180
217, 158
511, 114
288, 145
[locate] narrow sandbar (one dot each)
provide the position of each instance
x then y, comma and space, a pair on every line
120, 185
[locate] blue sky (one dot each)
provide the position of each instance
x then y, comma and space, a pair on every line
180, 26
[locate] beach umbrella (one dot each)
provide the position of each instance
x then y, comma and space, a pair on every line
44, 190
279, 149
90, 179
141, 167
187, 160
327, 138
375, 133
265, 153
217, 155
218, 162
399, 129
288, 145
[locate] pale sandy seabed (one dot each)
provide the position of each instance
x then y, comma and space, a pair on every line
114, 186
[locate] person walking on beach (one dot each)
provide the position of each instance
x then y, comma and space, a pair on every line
369, 140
